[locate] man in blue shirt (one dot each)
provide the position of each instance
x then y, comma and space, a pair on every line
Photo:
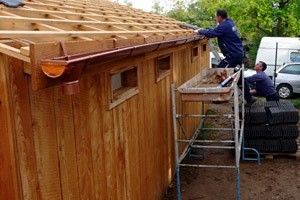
228, 39
263, 83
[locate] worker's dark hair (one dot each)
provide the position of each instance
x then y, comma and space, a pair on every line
222, 13
264, 65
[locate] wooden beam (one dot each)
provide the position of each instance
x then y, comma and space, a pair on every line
48, 27
24, 11
32, 34
17, 18
106, 11
22, 42
13, 52
108, 8
27, 68
92, 21
25, 51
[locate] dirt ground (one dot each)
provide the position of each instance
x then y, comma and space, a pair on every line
273, 179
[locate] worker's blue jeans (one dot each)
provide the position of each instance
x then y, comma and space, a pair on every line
231, 62
273, 97
248, 96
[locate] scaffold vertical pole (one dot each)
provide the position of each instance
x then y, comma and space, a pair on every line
237, 139
173, 91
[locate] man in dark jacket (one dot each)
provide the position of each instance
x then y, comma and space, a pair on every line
263, 83
228, 38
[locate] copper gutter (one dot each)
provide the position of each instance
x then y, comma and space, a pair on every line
70, 61
69, 65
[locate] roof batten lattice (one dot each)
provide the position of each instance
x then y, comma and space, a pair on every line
72, 20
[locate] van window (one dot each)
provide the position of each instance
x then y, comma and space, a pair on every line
291, 69
295, 57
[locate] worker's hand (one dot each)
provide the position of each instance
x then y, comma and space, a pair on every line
197, 31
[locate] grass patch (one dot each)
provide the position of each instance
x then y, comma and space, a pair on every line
211, 112
205, 134
296, 103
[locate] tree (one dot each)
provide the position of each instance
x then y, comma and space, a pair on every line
255, 19
157, 7
191, 12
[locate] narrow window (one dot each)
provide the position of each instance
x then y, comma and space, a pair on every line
204, 47
123, 85
163, 66
195, 53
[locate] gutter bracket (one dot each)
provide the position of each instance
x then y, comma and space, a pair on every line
70, 81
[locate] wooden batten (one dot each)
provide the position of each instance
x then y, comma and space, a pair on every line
25, 51
13, 52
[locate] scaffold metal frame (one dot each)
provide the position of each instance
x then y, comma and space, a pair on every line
193, 142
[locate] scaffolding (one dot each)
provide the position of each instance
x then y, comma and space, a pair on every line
190, 92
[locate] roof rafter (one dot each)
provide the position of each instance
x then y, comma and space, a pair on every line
81, 20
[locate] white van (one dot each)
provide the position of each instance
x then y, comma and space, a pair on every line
288, 52
213, 60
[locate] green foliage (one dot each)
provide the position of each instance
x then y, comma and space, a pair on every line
191, 12
255, 18
296, 102
157, 8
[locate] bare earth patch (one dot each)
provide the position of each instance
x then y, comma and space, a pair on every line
273, 179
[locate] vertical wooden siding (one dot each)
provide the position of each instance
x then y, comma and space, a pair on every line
184, 70
81, 150
8, 162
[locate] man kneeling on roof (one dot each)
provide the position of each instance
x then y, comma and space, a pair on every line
263, 83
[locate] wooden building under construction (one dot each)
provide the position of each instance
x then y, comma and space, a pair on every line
85, 104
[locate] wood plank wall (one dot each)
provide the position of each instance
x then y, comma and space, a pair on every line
8, 159
74, 147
